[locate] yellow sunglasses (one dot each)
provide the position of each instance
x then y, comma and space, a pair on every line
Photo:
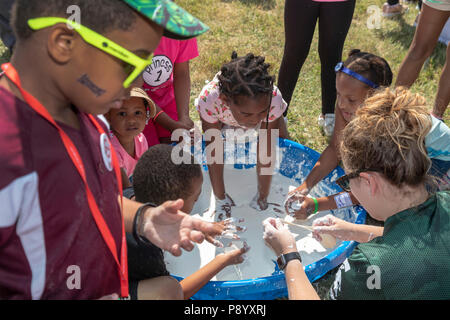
136, 63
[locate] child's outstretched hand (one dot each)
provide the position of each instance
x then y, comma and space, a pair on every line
229, 230
235, 256
170, 229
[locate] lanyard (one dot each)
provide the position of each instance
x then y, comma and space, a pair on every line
72, 151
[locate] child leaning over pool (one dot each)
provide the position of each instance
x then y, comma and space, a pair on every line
158, 179
242, 95
359, 77
386, 163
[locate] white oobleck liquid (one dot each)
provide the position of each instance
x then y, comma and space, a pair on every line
260, 262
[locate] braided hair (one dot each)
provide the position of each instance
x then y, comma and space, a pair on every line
373, 67
245, 76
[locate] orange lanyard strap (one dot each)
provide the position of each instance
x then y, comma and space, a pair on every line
12, 74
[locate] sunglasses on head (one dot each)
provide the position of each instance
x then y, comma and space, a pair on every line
344, 181
135, 64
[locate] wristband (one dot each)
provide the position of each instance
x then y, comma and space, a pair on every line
137, 222
343, 200
437, 117
159, 113
316, 205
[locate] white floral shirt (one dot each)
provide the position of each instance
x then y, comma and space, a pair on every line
212, 109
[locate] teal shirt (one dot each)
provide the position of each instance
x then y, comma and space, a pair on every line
410, 261
437, 140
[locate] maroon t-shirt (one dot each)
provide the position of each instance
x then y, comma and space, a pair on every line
50, 246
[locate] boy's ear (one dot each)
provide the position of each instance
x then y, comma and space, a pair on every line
61, 43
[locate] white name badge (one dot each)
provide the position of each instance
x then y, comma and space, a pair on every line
105, 146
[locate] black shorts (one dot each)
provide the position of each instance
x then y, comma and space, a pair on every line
144, 262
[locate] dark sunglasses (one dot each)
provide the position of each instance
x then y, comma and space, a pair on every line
344, 181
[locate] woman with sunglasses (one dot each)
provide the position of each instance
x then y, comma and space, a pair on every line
357, 79
386, 161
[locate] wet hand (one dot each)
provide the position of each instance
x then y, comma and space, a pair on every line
278, 237
172, 230
298, 204
335, 227
236, 256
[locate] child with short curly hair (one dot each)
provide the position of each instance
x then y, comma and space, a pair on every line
242, 95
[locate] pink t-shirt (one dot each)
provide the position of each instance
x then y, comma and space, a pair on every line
212, 109
125, 160
158, 77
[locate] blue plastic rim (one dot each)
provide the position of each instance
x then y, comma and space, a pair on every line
274, 286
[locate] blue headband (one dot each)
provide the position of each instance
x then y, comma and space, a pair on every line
340, 67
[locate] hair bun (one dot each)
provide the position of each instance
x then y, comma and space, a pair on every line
354, 51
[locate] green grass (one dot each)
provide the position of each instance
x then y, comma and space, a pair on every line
4, 53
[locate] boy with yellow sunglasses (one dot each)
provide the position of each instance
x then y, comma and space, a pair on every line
61, 224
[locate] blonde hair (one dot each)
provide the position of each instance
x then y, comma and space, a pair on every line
387, 135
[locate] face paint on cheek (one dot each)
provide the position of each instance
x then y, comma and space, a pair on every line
87, 82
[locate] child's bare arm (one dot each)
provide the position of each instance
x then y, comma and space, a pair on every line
328, 160
182, 89
266, 161
308, 205
215, 169
196, 281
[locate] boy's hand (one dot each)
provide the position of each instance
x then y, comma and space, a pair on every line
236, 256
336, 227
170, 229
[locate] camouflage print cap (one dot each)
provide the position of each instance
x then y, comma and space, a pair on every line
178, 23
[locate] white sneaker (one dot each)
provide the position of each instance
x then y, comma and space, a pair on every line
394, 10
321, 120
223, 207
328, 126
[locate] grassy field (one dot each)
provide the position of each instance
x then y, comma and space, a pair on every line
257, 26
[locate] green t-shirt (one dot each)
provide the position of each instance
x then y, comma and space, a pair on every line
410, 261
